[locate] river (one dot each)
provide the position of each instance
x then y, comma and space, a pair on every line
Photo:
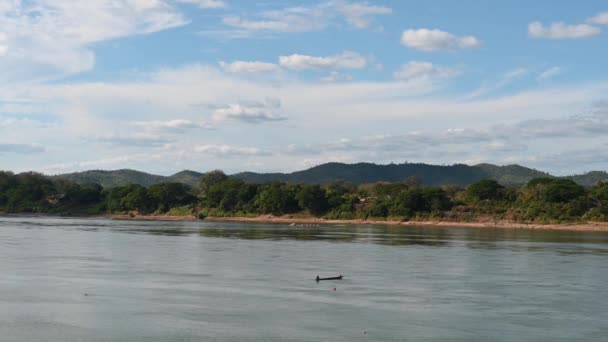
74, 279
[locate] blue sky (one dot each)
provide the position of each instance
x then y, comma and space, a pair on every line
166, 85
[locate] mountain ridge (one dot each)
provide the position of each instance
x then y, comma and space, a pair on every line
358, 173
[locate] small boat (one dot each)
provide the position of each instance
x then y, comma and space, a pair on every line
329, 278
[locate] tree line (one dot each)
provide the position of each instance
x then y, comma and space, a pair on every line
542, 200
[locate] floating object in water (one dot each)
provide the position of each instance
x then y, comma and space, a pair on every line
329, 278
304, 225
334, 289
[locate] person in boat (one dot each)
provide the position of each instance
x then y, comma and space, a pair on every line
318, 278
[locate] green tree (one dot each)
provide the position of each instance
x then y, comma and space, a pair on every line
420, 200
210, 179
115, 198
138, 199
313, 198
554, 190
277, 198
170, 195
485, 190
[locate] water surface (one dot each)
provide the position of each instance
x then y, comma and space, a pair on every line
102, 280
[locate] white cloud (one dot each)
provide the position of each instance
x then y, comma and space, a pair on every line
360, 15
335, 76
549, 73
295, 19
229, 151
169, 126
304, 19
52, 38
104, 163
20, 148
22, 122
560, 30
345, 60
131, 140
599, 19
360, 108
253, 113
3, 48
434, 40
206, 3
244, 67
506, 79
423, 71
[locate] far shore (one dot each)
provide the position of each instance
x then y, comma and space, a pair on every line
289, 220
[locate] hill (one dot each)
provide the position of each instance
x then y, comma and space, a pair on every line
187, 177
359, 173
431, 175
590, 178
125, 176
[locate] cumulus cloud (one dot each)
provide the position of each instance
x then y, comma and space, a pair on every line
253, 113
416, 70
244, 67
345, 60
51, 38
599, 19
359, 107
549, 73
205, 3
561, 30
434, 40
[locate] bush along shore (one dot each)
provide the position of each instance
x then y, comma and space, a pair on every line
543, 201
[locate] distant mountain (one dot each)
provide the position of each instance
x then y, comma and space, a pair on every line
125, 176
590, 178
191, 178
510, 174
431, 175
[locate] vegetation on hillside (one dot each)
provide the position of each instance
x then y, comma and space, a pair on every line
109, 179
360, 173
541, 200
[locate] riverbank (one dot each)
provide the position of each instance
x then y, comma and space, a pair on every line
289, 219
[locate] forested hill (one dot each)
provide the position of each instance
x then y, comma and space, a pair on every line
430, 175
109, 179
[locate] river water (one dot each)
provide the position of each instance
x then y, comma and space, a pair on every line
103, 280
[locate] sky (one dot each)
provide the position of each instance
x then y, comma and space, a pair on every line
167, 85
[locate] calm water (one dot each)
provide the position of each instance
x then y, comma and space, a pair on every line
102, 280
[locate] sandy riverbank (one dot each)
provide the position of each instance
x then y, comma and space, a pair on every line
288, 219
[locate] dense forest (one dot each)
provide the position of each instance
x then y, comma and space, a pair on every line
541, 200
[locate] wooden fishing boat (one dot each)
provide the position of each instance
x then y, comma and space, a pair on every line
330, 278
